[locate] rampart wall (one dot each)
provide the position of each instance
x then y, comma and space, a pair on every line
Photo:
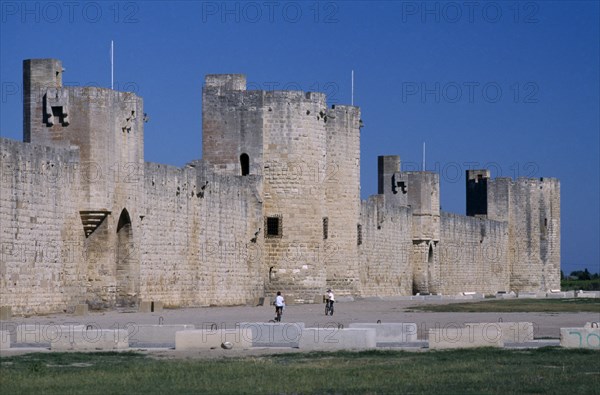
385, 249
199, 245
42, 265
273, 205
473, 256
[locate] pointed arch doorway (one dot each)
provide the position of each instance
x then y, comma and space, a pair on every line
126, 273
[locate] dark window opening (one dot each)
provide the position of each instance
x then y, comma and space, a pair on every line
245, 164
58, 115
325, 228
402, 186
430, 255
358, 234
273, 227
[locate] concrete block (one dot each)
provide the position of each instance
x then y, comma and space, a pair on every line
275, 334
81, 309
204, 339
260, 301
329, 339
4, 340
145, 306
510, 332
580, 338
150, 306
156, 334
391, 332
510, 295
565, 294
587, 294
44, 334
527, 295
5, 313
92, 339
475, 335
474, 295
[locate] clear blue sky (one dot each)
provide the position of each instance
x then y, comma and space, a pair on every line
511, 85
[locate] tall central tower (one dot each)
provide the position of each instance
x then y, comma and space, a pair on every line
308, 157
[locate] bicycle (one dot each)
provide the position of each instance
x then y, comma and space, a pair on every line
278, 313
329, 307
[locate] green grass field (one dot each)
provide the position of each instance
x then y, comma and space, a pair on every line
516, 306
475, 371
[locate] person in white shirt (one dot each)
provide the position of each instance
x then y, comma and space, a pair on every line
279, 305
330, 300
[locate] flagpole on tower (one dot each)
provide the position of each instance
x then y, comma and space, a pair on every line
112, 73
352, 98
423, 156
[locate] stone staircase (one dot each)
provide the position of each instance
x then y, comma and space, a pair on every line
92, 219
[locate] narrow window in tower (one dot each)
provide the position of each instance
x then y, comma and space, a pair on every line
273, 227
245, 164
430, 255
325, 228
358, 234
544, 228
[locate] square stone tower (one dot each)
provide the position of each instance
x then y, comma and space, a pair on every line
309, 158
531, 207
107, 128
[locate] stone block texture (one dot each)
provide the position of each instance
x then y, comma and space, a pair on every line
273, 205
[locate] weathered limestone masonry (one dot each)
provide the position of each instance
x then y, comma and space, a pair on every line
385, 249
198, 227
41, 263
531, 208
473, 255
309, 157
273, 205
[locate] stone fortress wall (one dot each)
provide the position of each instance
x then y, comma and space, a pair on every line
274, 204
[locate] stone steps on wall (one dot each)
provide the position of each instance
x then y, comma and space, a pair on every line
92, 219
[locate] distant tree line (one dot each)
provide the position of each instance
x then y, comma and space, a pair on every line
580, 280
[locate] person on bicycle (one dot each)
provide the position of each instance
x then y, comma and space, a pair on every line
279, 304
330, 300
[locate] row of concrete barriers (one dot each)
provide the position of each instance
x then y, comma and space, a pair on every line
293, 335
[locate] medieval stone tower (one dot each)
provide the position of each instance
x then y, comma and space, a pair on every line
531, 208
274, 204
308, 158
106, 128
